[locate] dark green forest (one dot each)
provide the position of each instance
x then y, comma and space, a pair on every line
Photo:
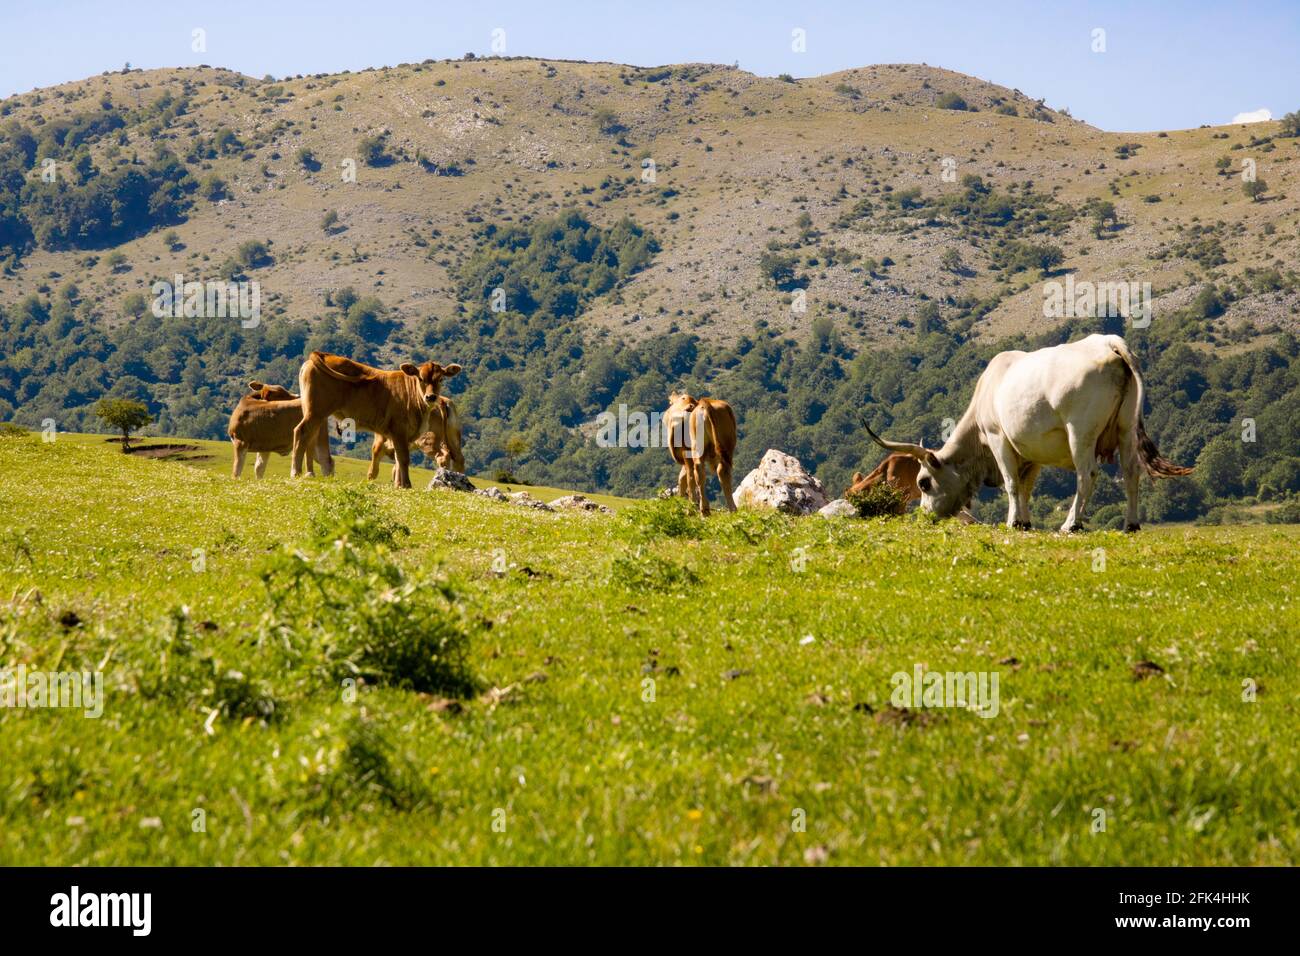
534, 375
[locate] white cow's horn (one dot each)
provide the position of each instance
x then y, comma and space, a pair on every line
916, 451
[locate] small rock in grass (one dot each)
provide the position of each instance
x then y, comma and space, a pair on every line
579, 503
454, 480
1145, 669
816, 855
528, 501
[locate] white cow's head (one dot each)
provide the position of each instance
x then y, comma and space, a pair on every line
945, 488
944, 492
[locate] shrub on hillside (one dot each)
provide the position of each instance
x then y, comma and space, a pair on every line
673, 517
353, 613
878, 501
355, 515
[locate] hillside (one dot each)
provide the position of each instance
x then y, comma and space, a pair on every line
834, 195
309, 673
738, 159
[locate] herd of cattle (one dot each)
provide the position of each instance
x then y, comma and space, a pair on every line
1069, 406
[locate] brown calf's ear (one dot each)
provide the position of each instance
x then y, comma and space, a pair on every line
857, 476
255, 386
451, 371
409, 369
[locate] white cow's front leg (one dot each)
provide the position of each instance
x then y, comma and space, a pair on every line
1009, 465
1027, 482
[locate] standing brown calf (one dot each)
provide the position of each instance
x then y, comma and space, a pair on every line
897, 470
441, 441
395, 404
263, 422
701, 435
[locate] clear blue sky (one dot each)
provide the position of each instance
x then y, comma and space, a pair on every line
1167, 65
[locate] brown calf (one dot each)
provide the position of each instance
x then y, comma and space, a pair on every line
263, 422
900, 471
396, 404
701, 435
441, 441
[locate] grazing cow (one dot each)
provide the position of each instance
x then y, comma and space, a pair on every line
395, 404
898, 471
701, 435
1068, 406
441, 441
263, 422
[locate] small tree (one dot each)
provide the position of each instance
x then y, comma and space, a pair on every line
1254, 188
125, 414
1103, 215
330, 220
373, 151
515, 447
951, 260
607, 121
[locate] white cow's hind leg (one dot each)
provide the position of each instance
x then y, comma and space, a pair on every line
1084, 452
1131, 468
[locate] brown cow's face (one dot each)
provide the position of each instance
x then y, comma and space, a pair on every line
682, 402
270, 393
430, 376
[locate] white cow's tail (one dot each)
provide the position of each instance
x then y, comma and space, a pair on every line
1148, 454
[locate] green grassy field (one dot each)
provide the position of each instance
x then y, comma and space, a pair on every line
630, 689
215, 457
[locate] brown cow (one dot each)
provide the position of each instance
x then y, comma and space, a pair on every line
701, 435
396, 404
263, 422
441, 441
897, 470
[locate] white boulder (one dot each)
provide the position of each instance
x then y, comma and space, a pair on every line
839, 508
781, 482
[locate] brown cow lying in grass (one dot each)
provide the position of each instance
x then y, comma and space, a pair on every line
441, 441
897, 470
263, 422
701, 436
395, 404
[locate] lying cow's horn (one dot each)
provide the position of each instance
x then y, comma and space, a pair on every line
916, 451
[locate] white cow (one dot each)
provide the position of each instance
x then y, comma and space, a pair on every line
1069, 406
